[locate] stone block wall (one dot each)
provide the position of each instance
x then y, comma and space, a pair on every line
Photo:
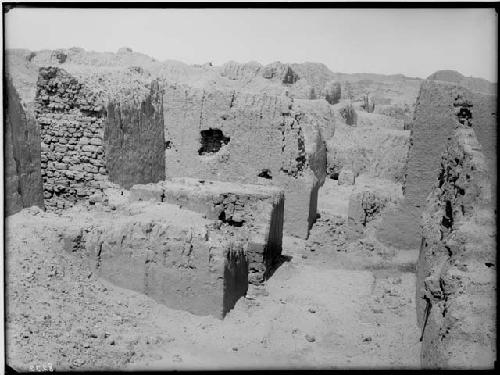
456, 271
262, 140
254, 212
134, 139
23, 181
71, 128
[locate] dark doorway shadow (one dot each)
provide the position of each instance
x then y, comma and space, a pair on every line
277, 264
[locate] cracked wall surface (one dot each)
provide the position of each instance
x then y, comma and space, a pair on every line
265, 132
23, 181
456, 272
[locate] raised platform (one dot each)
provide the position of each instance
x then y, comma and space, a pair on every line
175, 256
253, 211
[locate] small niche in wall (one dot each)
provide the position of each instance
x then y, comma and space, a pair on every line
211, 141
265, 173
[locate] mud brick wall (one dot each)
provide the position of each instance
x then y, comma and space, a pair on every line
484, 117
441, 108
456, 272
256, 139
134, 139
71, 129
172, 255
252, 211
23, 181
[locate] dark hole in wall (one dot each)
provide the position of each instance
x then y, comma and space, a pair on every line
448, 216
488, 264
334, 176
168, 145
211, 141
265, 173
231, 222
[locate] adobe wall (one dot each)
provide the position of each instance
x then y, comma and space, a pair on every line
256, 139
134, 139
254, 210
175, 256
23, 181
484, 116
440, 109
456, 276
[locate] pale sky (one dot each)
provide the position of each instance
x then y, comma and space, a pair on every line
414, 42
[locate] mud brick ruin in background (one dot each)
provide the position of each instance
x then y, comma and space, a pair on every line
255, 211
229, 136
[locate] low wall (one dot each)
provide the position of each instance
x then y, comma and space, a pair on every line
251, 211
172, 255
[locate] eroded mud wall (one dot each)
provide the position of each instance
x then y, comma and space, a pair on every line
134, 139
23, 181
456, 278
484, 116
440, 109
261, 139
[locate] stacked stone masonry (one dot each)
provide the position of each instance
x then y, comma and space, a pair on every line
71, 129
253, 212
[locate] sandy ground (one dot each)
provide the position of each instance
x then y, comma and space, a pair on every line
326, 306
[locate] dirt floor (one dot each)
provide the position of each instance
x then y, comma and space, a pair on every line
332, 303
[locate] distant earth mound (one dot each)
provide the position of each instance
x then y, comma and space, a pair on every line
476, 84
